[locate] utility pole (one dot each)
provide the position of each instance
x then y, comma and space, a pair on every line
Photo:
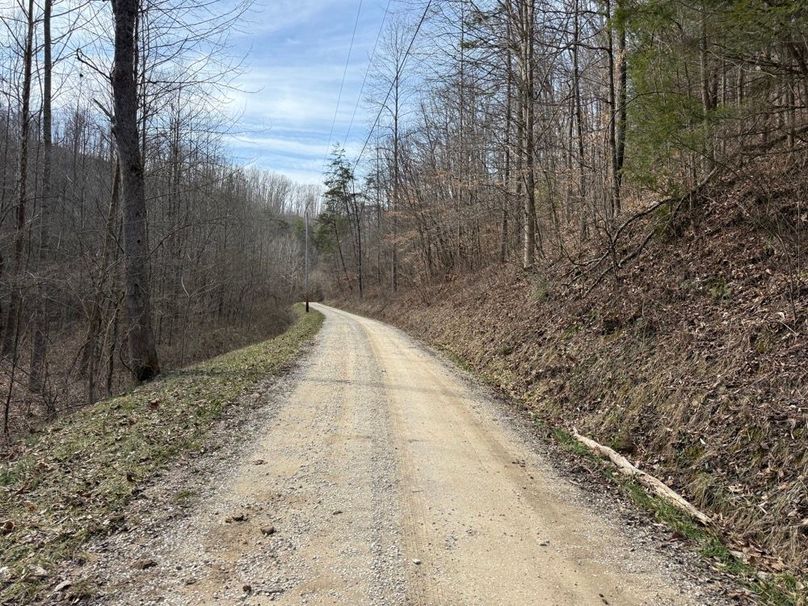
306, 262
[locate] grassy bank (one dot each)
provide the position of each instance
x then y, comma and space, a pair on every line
73, 482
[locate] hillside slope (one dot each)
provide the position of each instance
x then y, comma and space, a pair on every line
76, 480
692, 359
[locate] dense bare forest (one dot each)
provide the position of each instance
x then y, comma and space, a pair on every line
525, 130
216, 264
596, 207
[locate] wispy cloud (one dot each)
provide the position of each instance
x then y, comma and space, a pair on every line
293, 146
296, 52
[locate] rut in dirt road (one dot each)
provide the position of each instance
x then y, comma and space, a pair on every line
386, 477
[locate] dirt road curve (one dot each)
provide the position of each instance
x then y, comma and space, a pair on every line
386, 477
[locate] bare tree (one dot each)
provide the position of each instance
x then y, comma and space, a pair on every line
10, 335
37, 376
142, 348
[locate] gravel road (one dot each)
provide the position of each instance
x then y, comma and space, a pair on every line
384, 476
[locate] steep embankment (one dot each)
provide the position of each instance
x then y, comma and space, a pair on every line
692, 359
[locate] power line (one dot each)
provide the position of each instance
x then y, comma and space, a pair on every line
393, 83
367, 71
344, 74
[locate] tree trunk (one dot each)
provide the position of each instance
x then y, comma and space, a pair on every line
622, 114
9, 336
396, 179
583, 209
506, 177
706, 97
37, 377
614, 201
142, 351
527, 13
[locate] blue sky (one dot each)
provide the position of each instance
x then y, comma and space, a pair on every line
296, 52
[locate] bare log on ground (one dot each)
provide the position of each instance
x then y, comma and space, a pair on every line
655, 485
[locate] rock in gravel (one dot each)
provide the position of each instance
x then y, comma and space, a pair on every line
62, 586
247, 589
239, 517
144, 563
268, 530
39, 572
416, 561
336, 512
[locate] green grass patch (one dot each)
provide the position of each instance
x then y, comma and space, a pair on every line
184, 497
718, 289
456, 359
540, 289
568, 442
73, 482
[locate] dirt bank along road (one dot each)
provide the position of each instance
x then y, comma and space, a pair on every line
385, 476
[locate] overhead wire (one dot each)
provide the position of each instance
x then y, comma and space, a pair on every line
344, 75
367, 71
393, 82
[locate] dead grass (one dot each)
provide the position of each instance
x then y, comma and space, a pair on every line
73, 481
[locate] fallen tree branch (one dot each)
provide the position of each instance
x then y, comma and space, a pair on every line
613, 238
620, 263
653, 484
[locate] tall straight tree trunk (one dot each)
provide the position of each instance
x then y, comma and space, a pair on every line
4, 186
461, 155
579, 120
706, 97
341, 256
142, 351
622, 114
36, 377
10, 334
506, 178
396, 179
527, 18
614, 198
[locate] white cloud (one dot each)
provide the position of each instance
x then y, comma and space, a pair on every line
286, 146
289, 89
273, 16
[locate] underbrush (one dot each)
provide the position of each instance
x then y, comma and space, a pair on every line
74, 480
